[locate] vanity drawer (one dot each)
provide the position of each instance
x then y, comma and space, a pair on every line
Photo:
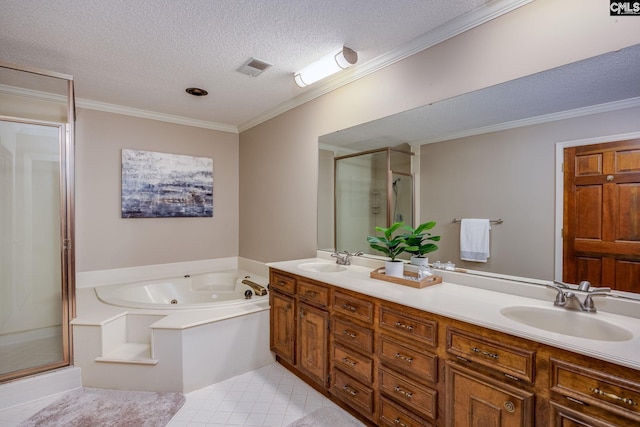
410, 394
353, 392
515, 363
313, 293
353, 335
596, 388
282, 283
353, 363
352, 306
413, 362
393, 415
408, 326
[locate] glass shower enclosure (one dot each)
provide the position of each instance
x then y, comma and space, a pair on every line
36, 220
372, 189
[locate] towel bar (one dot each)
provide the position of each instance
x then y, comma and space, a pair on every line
495, 221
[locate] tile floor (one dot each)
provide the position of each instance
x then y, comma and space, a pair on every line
270, 396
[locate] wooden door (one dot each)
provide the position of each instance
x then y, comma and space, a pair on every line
602, 215
474, 400
313, 339
282, 330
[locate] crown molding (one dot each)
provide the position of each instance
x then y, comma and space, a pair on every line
530, 121
117, 109
146, 114
446, 31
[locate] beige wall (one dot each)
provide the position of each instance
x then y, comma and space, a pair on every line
279, 158
104, 240
509, 175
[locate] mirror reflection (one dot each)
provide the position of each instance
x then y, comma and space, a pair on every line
496, 154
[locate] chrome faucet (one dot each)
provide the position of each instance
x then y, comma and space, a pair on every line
344, 257
570, 301
259, 290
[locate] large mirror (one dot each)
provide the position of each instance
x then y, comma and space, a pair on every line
496, 154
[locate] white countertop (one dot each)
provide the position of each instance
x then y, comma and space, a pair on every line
481, 306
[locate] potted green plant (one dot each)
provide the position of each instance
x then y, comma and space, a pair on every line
391, 246
419, 243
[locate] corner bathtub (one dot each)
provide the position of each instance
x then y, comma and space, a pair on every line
198, 291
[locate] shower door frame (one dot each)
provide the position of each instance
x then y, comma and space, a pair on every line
66, 141
389, 179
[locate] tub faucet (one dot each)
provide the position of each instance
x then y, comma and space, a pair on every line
344, 257
259, 290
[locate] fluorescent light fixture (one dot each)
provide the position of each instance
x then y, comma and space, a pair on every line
326, 66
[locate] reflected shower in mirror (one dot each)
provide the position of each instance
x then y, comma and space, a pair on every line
372, 189
493, 153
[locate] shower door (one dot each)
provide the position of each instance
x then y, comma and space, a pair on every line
33, 301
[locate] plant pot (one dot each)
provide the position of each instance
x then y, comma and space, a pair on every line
417, 260
394, 268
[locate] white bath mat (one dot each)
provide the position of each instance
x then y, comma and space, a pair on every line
328, 416
91, 407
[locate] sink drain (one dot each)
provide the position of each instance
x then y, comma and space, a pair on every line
174, 301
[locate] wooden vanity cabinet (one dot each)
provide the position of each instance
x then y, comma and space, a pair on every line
353, 364
474, 399
282, 331
393, 365
299, 325
591, 392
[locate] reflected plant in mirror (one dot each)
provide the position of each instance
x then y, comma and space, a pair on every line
419, 242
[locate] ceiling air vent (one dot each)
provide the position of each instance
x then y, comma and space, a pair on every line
254, 67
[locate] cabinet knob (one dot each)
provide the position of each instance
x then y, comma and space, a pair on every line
509, 406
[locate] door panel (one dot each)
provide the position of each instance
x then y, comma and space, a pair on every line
601, 214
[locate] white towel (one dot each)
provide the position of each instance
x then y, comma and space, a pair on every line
474, 240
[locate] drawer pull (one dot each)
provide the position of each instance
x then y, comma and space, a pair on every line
511, 377
403, 357
349, 333
349, 390
349, 361
574, 400
281, 283
351, 308
287, 308
405, 327
310, 294
405, 393
509, 406
399, 422
484, 353
615, 397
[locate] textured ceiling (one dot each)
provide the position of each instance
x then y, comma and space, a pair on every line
143, 54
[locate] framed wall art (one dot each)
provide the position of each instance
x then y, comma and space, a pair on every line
162, 185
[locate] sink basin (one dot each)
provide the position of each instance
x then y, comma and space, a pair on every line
567, 322
322, 267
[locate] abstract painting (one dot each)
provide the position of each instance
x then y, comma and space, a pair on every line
161, 185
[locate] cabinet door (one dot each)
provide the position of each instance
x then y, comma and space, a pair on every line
313, 339
474, 400
283, 333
